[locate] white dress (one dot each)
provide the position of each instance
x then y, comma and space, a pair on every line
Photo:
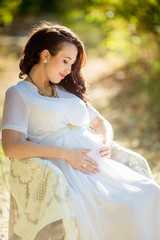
115, 204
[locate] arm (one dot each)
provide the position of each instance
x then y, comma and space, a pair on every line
99, 124
15, 129
102, 126
15, 145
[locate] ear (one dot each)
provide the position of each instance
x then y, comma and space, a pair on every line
45, 54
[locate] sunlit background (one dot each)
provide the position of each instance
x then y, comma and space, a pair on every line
122, 42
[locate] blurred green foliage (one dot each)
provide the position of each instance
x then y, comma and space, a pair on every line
8, 10
116, 26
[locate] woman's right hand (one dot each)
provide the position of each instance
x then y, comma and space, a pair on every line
78, 159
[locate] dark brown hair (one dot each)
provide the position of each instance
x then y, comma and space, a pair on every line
51, 37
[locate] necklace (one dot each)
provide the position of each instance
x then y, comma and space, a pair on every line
54, 92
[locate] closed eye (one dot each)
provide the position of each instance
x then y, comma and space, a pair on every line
67, 62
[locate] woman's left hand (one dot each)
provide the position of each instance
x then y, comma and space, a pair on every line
105, 151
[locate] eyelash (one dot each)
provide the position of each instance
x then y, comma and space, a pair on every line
67, 62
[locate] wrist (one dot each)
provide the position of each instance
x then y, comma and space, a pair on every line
108, 142
65, 153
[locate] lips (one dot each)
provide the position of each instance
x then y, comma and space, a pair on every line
62, 75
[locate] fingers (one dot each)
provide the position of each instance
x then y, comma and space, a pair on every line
105, 154
108, 156
85, 150
105, 148
90, 160
89, 167
83, 170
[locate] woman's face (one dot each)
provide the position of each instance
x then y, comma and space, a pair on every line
60, 65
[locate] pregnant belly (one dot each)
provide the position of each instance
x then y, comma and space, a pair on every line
79, 138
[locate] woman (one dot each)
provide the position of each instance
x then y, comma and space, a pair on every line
45, 126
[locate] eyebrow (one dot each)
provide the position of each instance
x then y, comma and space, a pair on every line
70, 59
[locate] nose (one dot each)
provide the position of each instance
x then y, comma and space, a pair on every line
67, 69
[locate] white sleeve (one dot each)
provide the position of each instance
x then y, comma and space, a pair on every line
15, 112
93, 113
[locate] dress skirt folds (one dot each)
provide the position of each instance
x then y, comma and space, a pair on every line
51, 200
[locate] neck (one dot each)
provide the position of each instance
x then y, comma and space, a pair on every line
39, 79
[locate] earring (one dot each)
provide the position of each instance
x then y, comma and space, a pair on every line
45, 60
